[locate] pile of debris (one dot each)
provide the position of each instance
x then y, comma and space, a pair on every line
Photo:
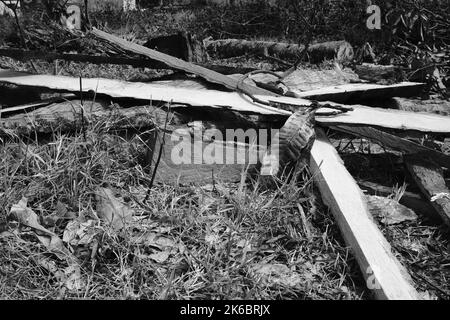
300, 106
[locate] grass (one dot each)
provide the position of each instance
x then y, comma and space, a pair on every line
229, 242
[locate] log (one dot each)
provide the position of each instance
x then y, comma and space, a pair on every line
226, 48
199, 166
391, 141
436, 106
179, 64
429, 178
385, 276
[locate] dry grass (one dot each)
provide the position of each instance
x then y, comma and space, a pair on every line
187, 242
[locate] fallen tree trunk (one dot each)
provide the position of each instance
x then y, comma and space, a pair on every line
142, 91
437, 106
384, 274
341, 50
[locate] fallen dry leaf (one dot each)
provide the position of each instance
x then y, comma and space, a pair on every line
111, 210
160, 257
390, 211
28, 217
73, 280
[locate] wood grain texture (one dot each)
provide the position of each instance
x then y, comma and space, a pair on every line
197, 168
429, 178
385, 276
388, 118
143, 91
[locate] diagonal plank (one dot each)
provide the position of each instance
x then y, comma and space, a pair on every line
384, 274
179, 64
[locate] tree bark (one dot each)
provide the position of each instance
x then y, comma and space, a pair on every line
341, 50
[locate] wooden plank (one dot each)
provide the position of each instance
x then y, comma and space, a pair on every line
197, 168
356, 92
179, 64
388, 118
393, 119
144, 91
384, 275
391, 141
429, 178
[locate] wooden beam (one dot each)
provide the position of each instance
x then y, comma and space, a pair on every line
429, 178
360, 115
179, 64
387, 118
384, 274
197, 168
391, 141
